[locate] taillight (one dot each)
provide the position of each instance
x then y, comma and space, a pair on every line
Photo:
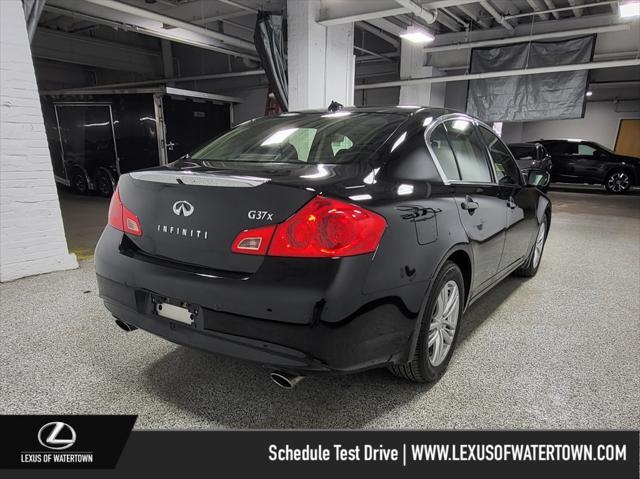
323, 228
121, 218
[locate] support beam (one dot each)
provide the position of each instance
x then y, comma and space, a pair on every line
428, 16
469, 12
529, 38
538, 8
174, 22
552, 7
85, 50
378, 32
412, 65
321, 63
496, 15
555, 11
122, 21
576, 3
506, 73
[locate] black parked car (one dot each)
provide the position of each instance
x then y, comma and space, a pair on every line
578, 161
532, 156
326, 242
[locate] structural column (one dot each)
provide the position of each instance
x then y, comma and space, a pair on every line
32, 239
321, 63
412, 59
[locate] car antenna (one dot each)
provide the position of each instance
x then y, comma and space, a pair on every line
335, 106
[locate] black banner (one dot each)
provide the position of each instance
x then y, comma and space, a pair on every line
310, 454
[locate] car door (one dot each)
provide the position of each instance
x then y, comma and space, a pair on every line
482, 212
520, 201
587, 161
563, 161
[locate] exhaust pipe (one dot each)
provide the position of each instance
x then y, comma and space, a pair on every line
285, 380
125, 326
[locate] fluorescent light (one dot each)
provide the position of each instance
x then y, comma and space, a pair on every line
589, 93
417, 35
278, 137
629, 9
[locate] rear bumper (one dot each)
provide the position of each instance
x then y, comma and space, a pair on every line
324, 331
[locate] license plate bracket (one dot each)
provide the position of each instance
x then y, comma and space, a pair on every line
179, 311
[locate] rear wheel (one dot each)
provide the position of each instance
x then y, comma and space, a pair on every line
438, 330
79, 182
530, 267
104, 184
618, 182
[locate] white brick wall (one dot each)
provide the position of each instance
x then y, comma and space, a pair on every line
32, 237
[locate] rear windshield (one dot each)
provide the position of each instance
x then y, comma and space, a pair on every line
524, 152
341, 137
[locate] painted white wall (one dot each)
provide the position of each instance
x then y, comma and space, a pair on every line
254, 100
600, 124
32, 239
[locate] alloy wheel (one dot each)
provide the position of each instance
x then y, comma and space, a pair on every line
618, 182
444, 321
537, 252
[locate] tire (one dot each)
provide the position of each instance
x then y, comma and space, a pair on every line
427, 365
79, 182
104, 184
530, 267
618, 182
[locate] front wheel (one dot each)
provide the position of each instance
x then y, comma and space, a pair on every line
618, 182
438, 330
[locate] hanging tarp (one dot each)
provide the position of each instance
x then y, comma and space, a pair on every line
269, 40
545, 96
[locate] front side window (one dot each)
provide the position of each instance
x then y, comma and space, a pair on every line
341, 137
469, 151
505, 168
585, 150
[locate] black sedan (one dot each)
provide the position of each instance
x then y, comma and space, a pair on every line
579, 161
323, 242
532, 157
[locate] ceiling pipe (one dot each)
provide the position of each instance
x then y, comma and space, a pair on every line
555, 11
528, 38
427, 15
505, 73
159, 81
496, 15
174, 22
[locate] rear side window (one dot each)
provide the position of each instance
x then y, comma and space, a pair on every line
469, 151
505, 168
440, 146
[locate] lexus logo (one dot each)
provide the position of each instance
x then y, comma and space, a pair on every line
183, 208
57, 435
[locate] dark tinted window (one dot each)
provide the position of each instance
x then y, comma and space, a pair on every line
523, 152
319, 138
505, 168
469, 151
557, 148
440, 146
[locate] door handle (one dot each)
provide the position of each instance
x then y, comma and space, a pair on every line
510, 203
469, 205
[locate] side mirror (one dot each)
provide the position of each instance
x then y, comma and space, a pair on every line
538, 178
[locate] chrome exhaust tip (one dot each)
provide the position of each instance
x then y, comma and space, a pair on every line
125, 326
285, 380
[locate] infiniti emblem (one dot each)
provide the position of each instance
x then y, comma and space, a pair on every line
183, 208
57, 435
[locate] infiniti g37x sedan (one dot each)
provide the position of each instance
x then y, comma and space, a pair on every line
324, 242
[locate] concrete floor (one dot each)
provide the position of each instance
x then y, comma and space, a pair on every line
557, 351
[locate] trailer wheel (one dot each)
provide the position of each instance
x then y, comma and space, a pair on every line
104, 183
79, 182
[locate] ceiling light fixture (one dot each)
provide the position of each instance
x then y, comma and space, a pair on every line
417, 35
629, 9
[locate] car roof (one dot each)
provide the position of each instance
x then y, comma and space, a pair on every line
398, 110
531, 144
